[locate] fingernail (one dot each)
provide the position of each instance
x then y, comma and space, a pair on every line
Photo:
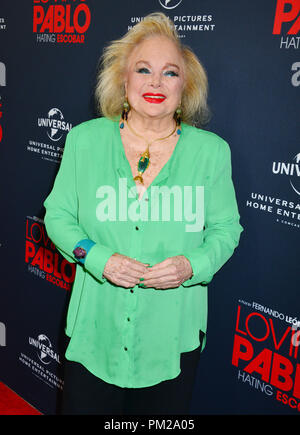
141, 279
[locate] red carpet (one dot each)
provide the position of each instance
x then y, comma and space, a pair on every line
12, 404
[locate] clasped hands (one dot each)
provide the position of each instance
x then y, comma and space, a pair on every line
128, 272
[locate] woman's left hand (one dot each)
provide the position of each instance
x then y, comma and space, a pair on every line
170, 273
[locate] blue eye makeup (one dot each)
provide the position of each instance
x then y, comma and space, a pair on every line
143, 70
171, 73
167, 73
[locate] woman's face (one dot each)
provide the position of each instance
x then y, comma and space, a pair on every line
155, 78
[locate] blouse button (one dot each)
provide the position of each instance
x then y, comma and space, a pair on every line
125, 348
137, 228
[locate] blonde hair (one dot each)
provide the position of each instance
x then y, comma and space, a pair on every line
110, 89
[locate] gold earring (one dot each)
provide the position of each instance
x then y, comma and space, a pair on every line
177, 116
126, 108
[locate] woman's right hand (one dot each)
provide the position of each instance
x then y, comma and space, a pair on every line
124, 271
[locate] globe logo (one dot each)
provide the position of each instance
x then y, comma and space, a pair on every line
290, 169
54, 115
170, 4
55, 124
295, 183
43, 349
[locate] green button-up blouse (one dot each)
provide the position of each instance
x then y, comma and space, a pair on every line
133, 337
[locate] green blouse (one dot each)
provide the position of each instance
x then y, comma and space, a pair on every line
133, 337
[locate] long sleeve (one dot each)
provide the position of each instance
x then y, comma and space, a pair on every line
115, 329
222, 229
61, 218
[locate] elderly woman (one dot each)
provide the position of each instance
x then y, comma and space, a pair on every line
144, 203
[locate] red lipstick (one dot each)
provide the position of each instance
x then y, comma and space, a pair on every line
150, 97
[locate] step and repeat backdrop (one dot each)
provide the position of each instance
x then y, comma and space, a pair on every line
49, 53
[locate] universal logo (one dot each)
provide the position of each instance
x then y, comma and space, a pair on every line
169, 4
55, 124
292, 170
44, 349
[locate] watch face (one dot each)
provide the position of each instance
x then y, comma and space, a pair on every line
79, 252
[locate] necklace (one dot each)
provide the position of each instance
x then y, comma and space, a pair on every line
144, 160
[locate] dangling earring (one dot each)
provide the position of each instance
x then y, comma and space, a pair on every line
126, 109
177, 117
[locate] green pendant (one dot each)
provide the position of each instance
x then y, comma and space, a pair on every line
144, 161
143, 164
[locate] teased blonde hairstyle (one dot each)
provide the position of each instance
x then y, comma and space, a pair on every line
110, 89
